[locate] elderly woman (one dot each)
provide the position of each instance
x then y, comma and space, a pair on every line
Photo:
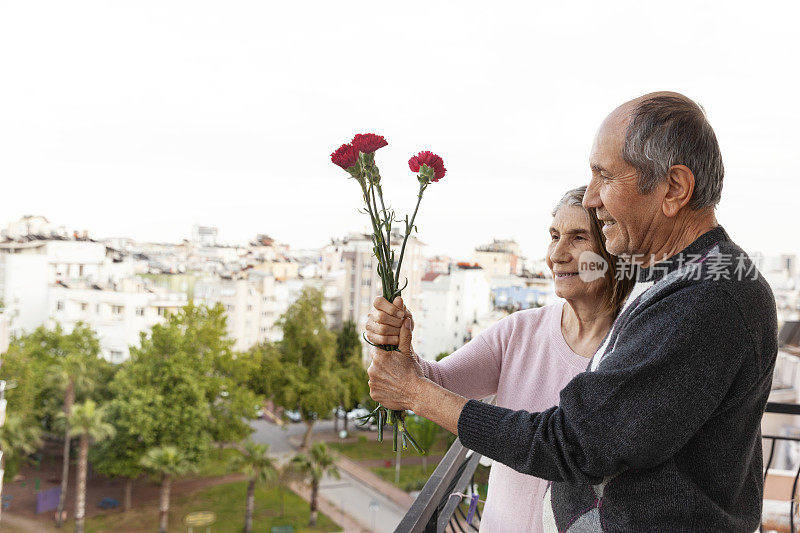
528, 357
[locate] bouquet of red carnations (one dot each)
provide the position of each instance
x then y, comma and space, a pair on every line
358, 159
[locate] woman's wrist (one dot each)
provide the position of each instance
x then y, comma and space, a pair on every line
437, 404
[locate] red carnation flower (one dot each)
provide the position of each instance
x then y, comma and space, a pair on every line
368, 142
431, 160
345, 156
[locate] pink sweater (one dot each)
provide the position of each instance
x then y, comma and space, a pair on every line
525, 360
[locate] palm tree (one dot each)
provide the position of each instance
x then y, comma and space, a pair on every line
167, 461
17, 438
87, 421
312, 467
254, 460
70, 372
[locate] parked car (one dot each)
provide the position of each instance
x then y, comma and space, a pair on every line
293, 416
358, 412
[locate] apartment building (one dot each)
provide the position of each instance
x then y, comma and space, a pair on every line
451, 305
361, 283
499, 258
118, 313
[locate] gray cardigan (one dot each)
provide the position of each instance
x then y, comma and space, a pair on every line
664, 434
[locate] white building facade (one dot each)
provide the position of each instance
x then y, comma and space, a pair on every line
452, 304
361, 283
254, 304
118, 316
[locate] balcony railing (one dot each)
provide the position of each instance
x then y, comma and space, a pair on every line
438, 504
782, 522
439, 507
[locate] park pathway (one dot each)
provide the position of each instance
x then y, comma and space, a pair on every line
357, 505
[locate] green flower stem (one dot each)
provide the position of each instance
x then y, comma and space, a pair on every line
381, 220
389, 283
409, 227
378, 235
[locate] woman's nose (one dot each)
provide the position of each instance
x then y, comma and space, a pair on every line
560, 252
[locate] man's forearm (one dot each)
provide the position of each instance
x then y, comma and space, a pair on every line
439, 405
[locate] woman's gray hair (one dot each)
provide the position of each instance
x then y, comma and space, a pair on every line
573, 198
669, 130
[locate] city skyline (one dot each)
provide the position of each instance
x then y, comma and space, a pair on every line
143, 121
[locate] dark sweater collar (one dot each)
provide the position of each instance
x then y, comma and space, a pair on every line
695, 251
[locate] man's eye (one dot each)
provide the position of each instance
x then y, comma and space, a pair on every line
554, 237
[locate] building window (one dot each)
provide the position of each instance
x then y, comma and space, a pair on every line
366, 282
117, 309
140, 311
116, 356
162, 311
60, 305
229, 308
84, 306
249, 307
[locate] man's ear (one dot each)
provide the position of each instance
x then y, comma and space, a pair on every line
680, 187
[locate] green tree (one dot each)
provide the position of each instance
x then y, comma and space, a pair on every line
350, 369
17, 439
442, 355
160, 397
75, 369
166, 461
182, 387
308, 380
312, 467
265, 367
88, 422
26, 363
119, 456
426, 433
223, 371
254, 461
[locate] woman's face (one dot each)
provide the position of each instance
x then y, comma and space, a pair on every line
570, 236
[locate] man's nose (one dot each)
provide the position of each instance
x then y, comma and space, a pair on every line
591, 199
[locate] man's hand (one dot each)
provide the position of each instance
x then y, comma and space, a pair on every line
396, 378
383, 324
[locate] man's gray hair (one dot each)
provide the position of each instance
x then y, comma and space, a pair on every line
666, 131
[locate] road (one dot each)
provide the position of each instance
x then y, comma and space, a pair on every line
361, 502
278, 437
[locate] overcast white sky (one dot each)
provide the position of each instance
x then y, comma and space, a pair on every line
143, 118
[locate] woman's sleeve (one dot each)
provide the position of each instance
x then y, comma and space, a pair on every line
473, 371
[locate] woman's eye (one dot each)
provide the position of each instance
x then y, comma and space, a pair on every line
579, 238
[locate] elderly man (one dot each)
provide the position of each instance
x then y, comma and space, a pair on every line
662, 432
